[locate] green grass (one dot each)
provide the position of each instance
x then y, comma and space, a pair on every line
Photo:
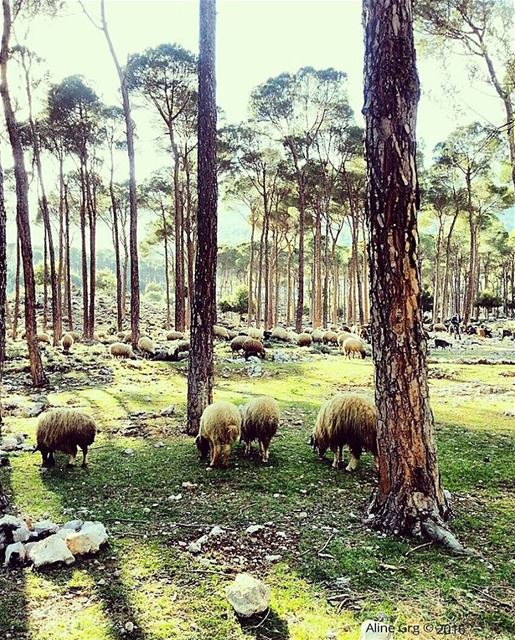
144, 575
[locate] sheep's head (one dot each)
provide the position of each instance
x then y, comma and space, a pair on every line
318, 446
202, 446
363, 354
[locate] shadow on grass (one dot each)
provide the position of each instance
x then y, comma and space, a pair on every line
267, 626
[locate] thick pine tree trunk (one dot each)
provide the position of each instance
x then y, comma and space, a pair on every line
409, 499
22, 208
203, 315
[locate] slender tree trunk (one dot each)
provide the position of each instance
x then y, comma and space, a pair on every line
299, 314
45, 279
92, 216
259, 295
178, 228
167, 269
3, 279
203, 316
409, 499
251, 272
437, 307
289, 288
16, 308
445, 294
116, 246
317, 271
84, 257
325, 293
60, 251
68, 270
22, 208
133, 205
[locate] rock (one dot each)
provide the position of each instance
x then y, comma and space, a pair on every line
169, 411
34, 410
254, 528
44, 528
9, 444
216, 531
15, 551
129, 627
273, 558
49, 551
248, 595
374, 630
196, 546
189, 485
128, 452
75, 525
21, 534
134, 364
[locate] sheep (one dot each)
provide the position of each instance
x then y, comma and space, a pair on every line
257, 334
75, 335
304, 340
67, 342
364, 334
64, 430
330, 337
220, 332
343, 336
174, 335
346, 419
346, 329
44, 338
317, 335
354, 346
293, 337
253, 347
440, 343
439, 326
146, 345
220, 427
183, 345
259, 421
278, 333
121, 350
237, 343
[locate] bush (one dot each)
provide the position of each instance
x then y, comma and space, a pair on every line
238, 302
154, 287
155, 296
105, 281
488, 300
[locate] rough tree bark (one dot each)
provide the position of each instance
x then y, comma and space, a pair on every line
3, 274
203, 308
22, 207
409, 499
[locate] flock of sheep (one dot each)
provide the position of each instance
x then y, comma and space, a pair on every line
345, 419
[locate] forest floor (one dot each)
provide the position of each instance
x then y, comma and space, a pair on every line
332, 572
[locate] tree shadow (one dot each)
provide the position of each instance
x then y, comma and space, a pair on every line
268, 626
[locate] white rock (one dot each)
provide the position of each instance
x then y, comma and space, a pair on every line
254, 528
11, 522
129, 627
9, 444
49, 551
189, 485
196, 546
14, 549
75, 525
273, 558
374, 630
216, 531
44, 527
22, 534
128, 452
248, 595
169, 411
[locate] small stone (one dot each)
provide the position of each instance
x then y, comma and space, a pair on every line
248, 595
13, 552
129, 627
254, 528
169, 411
189, 485
273, 558
216, 531
75, 525
44, 528
128, 452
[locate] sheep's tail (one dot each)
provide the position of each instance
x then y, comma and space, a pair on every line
233, 432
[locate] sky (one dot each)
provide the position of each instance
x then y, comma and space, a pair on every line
256, 39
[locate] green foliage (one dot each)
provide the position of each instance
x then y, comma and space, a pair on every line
426, 299
488, 300
105, 280
238, 302
39, 271
154, 291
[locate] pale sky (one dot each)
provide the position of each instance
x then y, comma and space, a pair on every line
256, 39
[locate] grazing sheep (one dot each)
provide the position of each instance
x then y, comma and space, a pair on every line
146, 345
330, 337
43, 338
67, 342
253, 347
278, 333
293, 337
343, 336
183, 345
232, 333
75, 335
346, 420
346, 329
317, 335
220, 427
484, 332
220, 332
304, 340
440, 343
257, 334
354, 346
355, 329
237, 343
259, 421
64, 430
506, 333
121, 335
364, 334
439, 326
174, 335
121, 350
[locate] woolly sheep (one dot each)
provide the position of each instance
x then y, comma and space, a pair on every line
257, 334
220, 332
75, 335
278, 333
253, 347
43, 338
354, 346
346, 420
330, 337
146, 345
175, 335
317, 335
67, 342
304, 340
237, 343
439, 326
220, 427
343, 336
64, 430
121, 350
259, 421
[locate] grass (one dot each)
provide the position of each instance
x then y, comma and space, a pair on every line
145, 577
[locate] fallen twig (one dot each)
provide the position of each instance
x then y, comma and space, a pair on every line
256, 626
420, 546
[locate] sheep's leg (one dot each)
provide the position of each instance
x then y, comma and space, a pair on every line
248, 447
44, 456
85, 457
215, 454
265, 445
226, 450
50, 459
71, 460
335, 459
354, 458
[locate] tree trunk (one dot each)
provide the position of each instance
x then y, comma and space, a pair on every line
167, 269
3, 277
22, 208
92, 216
178, 228
201, 365
325, 292
251, 272
317, 271
84, 257
133, 205
300, 277
409, 499
68, 270
45, 278
16, 308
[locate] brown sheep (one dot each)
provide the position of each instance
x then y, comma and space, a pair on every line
75, 335
346, 420
237, 343
259, 421
44, 338
220, 427
220, 332
317, 335
354, 346
253, 347
67, 342
439, 326
343, 336
279, 334
64, 430
304, 340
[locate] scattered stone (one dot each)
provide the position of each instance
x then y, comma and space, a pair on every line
34, 410
45, 528
129, 627
9, 444
15, 551
88, 540
273, 558
128, 452
248, 595
196, 546
254, 528
50, 551
75, 525
216, 531
191, 486
169, 411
